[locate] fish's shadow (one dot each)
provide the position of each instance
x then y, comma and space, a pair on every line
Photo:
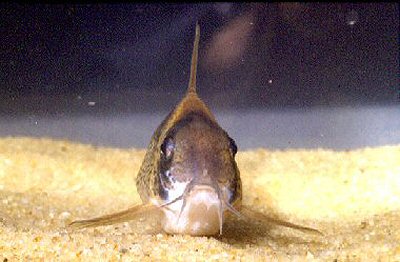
244, 232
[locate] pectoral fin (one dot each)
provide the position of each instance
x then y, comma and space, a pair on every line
250, 213
123, 216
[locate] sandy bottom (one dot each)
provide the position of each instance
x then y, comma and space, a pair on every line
352, 197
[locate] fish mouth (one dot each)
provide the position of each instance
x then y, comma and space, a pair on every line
200, 210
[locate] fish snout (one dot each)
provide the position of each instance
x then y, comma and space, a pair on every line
200, 212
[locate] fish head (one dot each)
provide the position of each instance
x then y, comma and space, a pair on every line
199, 182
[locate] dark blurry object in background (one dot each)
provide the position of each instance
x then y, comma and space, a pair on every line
229, 44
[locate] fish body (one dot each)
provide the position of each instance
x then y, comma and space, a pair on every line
189, 168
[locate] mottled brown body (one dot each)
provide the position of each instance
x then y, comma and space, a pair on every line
207, 143
203, 154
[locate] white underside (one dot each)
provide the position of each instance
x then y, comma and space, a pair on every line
200, 215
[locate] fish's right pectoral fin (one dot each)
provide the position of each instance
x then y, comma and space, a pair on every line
123, 216
250, 213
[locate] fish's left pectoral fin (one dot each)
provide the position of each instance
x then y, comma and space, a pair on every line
252, 214
119, 217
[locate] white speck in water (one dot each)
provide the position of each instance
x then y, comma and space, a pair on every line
270, 81
91, 103
351, 18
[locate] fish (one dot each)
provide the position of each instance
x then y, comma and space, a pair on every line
189, 172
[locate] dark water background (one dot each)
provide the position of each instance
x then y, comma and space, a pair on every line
276, 75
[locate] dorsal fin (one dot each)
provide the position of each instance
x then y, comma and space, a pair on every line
193, 65
190, 102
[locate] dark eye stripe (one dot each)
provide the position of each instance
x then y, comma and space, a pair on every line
167, 153
167, 148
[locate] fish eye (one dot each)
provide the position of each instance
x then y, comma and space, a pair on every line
167, 177
232, 146
167, 148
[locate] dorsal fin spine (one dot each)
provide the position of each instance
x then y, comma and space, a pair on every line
193, 65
